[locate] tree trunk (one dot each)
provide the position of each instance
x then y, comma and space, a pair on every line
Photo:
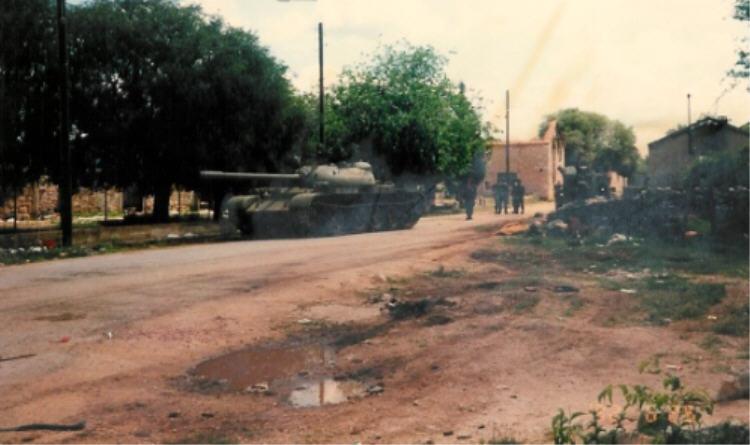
161, 203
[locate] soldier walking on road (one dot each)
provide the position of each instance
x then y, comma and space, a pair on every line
518, 196
470, 195
501, 197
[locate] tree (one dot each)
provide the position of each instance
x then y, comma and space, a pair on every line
28, 92
741, 69
161, 91
720, 175
402, 113
594, 140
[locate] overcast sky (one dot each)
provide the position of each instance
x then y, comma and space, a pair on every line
633, 60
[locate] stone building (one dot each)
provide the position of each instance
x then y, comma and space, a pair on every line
536, 162
670, 157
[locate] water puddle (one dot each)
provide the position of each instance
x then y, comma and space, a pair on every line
301, 375
245, 368
326, 391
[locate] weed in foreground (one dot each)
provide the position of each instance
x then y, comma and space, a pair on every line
674, 415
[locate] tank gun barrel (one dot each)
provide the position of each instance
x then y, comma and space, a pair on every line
243, 177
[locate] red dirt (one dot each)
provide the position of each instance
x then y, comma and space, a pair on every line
491, 372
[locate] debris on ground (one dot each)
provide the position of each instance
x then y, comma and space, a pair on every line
438, 319
565, 288
617, 238
513, 228
375, 389
530, 288
557, 227
47, 426
400, 310
628, 291
304, 321
258, 388
17, 357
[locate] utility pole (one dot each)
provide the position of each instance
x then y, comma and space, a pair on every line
321, 93
690, 129
65, 201
507, 132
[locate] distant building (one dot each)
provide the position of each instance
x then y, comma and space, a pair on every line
535, 161
670, 157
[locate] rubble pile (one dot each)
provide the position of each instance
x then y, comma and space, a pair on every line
661, 213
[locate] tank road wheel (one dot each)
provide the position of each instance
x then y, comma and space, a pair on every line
232, 220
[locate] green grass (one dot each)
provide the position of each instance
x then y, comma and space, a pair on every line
695, 257
442, 272
734, 322
677, 298
526, 303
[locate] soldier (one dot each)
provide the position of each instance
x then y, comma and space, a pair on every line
470, 195
558, 196
518, 195
501, 197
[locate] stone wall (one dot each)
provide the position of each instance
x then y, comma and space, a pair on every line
39, 201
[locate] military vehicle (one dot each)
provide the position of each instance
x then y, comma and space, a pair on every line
317, 200
580, 184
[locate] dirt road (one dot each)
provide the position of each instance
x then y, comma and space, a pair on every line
116, 337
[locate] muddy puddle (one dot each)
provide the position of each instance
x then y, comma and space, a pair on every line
325, 391
300, 375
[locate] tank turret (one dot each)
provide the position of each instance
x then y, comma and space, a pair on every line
316, 200
358, 174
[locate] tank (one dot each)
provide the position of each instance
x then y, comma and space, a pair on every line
316, 201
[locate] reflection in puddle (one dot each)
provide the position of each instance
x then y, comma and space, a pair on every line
299, 374
325, 392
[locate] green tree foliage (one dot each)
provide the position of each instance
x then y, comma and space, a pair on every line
717, 178
161, 91
741, 69
28, 91
594, 140
401, 112
720, 170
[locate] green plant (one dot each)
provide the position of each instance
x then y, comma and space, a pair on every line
673, 415
442, 272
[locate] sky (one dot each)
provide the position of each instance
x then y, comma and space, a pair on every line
632, 60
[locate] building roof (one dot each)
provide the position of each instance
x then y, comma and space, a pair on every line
712, 124
549, 135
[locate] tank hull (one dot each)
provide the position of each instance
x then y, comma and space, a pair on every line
306, 213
